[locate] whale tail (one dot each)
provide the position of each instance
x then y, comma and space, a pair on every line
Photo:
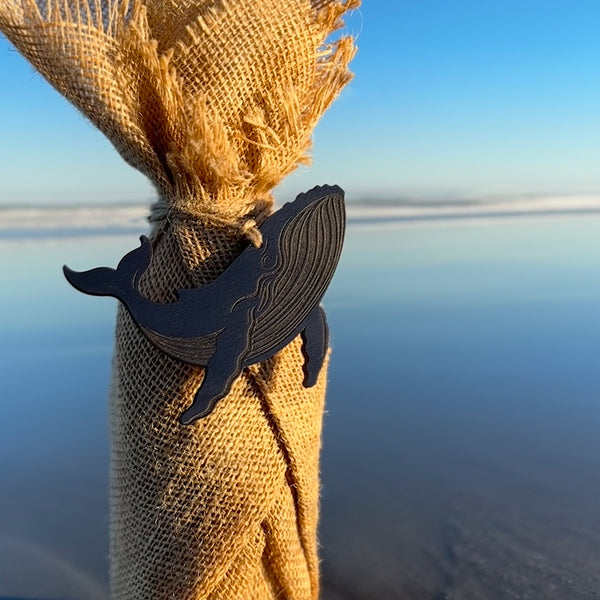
119, 282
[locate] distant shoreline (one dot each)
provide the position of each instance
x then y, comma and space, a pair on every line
437, 217
61, 222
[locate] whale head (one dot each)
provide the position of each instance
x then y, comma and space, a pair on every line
314, 213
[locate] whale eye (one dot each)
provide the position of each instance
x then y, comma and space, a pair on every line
268, 261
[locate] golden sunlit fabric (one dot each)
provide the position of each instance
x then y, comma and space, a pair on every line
215, 101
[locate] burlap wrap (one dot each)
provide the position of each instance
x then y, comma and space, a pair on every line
215, 101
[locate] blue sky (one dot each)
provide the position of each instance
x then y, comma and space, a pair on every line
451, 98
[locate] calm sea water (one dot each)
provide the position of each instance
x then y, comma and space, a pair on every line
461, 453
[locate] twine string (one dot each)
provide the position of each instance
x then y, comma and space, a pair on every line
246, 225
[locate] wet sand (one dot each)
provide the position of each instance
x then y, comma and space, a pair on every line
461, 455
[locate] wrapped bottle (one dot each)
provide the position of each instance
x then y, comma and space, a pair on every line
215, 101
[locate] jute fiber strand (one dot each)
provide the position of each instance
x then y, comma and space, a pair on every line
215, 101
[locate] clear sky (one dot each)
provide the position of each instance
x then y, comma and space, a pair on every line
451, 98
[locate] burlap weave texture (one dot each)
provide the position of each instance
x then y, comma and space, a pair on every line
215, 101
226, 508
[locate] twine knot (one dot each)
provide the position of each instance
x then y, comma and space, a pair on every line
251, 232
245, 225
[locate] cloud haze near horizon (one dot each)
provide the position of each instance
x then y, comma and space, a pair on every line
449, 101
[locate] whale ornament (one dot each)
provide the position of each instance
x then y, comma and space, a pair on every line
257, 306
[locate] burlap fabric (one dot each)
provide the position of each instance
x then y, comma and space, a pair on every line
215, 101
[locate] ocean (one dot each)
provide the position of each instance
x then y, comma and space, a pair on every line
461, 448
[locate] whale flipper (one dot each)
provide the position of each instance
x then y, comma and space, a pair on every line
214, 387
224, 366
315, 341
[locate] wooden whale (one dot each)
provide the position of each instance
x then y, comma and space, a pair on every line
257, 306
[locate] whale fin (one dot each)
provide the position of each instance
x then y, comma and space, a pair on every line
315, 341
135, 263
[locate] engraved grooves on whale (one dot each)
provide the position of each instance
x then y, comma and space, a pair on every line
257, 306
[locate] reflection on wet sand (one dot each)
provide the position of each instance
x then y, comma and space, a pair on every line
28, 570
461, 454
499, 545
